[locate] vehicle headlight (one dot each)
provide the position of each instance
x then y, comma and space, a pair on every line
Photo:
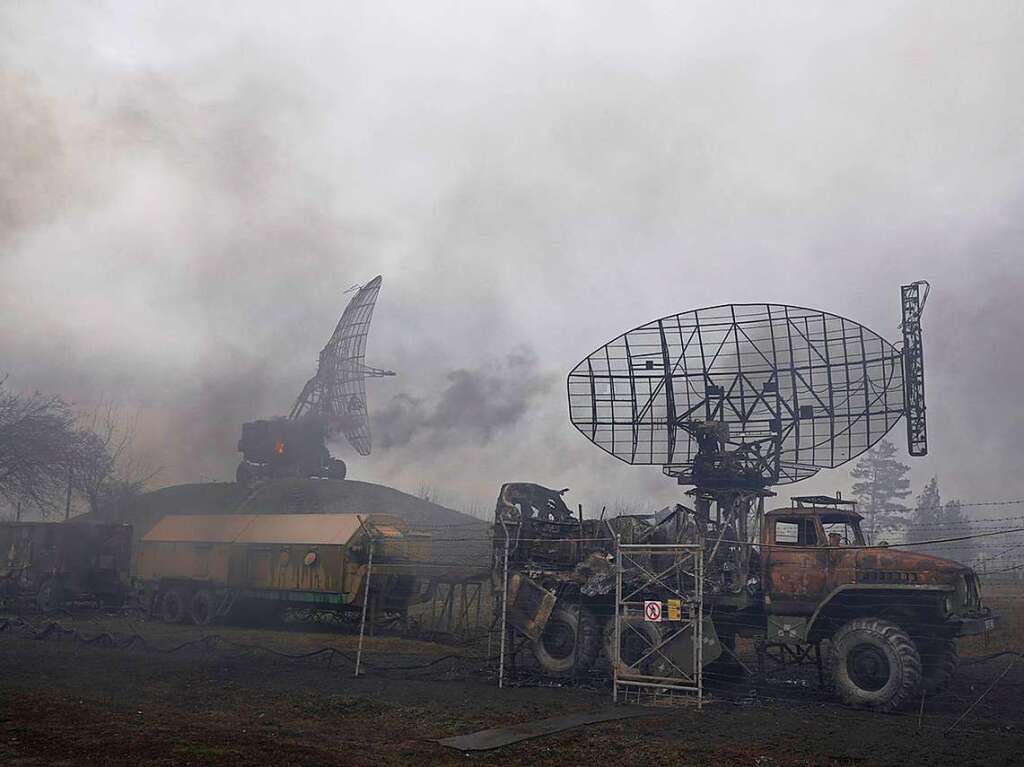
947, 605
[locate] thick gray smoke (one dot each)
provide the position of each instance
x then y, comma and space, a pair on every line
186, 191
474, 407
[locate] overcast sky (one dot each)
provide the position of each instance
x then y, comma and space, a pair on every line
187, 191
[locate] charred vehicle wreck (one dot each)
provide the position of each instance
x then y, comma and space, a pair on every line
802, 577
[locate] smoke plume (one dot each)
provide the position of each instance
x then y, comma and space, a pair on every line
473, 407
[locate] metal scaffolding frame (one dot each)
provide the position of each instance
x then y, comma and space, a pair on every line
639, 581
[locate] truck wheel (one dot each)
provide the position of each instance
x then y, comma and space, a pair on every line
570, 642
244, 474
203, 608
874, 664
638, 637
940, 660
173, 605
50, 595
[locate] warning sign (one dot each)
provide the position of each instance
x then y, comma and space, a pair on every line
652, 611
675, 609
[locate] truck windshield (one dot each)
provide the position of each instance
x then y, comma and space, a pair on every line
842, 531
796, 532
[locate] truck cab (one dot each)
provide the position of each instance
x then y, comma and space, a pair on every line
815, 553
880, 607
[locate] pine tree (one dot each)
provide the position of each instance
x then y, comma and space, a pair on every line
933, 520
926, 519
879, 487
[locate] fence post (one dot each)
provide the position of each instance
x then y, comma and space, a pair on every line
618, 618
504, 611
366, 597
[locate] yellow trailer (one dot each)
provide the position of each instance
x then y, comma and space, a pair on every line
199, 567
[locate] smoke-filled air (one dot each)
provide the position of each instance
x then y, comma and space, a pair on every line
187, 193
580, 382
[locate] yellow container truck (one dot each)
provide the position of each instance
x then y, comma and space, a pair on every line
201, 567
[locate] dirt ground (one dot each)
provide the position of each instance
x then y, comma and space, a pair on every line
223, 702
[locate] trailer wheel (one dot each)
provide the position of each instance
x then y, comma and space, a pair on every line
173, 605
570, 642
203, 608
874, 664
50, 595
940, 660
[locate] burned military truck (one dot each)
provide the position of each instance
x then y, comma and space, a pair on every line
797, 578
732, 400
55, 563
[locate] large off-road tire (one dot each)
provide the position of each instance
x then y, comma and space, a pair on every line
203, 607
940, 660
634, 644
174, 605
571, 641
874, 665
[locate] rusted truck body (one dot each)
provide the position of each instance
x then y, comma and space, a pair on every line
890, 617
199, 567
58, 562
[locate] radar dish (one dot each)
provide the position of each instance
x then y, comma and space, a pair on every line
338, 390
785, 389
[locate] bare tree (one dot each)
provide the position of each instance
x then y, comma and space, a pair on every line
39, 444
107, 474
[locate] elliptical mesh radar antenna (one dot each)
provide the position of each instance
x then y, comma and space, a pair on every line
783, 391
337, 392
332, 401
736, 398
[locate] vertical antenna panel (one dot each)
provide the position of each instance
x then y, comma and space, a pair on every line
913, 368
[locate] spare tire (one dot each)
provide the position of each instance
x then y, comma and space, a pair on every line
875, 664
571, 641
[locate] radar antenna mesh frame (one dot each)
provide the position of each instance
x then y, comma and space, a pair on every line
788, 390
337, 392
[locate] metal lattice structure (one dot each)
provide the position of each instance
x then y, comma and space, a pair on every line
660, 574
337, 393
787, 391
913, 367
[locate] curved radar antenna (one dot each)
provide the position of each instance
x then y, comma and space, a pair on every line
748, 394
337, 393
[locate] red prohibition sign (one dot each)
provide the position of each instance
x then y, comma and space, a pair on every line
652, 611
